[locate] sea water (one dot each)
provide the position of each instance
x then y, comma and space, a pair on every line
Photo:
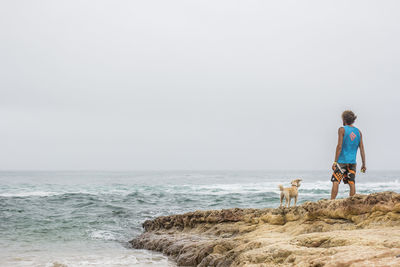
86, 218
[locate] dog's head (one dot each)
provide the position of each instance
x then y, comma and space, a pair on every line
296, 182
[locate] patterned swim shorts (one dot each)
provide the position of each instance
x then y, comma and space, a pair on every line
345, 172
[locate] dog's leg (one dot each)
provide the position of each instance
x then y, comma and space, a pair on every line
295, 200
289, 199
281, 200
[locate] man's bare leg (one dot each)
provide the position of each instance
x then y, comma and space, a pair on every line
335, 189
352, 189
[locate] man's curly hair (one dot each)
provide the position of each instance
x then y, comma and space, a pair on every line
349, 117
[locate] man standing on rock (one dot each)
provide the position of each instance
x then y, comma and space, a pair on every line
344, 167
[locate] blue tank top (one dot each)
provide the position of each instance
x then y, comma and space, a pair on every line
351, 140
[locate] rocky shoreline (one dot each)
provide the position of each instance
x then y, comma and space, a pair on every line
363, 230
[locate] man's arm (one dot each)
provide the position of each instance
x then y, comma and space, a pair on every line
362, 152
339, 146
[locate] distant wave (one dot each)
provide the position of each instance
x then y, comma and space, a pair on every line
159, 191
30, 194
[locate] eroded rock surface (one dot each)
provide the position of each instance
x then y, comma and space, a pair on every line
363, 230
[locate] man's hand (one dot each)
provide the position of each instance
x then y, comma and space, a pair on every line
362, 152
334, 166
363, 168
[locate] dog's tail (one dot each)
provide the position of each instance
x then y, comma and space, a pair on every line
280, 187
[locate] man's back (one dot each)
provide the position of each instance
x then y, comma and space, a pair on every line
351, 141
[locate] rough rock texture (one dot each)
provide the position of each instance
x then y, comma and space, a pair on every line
363, 230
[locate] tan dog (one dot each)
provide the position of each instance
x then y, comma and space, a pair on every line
290, 192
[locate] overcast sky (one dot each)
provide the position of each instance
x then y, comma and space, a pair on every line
132, 85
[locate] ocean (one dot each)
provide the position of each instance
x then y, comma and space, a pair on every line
86, 218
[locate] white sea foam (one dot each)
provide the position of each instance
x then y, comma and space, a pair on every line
29, 194
251, 188
95, 260
102, 235
243, 188
107, 257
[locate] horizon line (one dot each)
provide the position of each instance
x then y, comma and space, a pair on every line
169, 170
